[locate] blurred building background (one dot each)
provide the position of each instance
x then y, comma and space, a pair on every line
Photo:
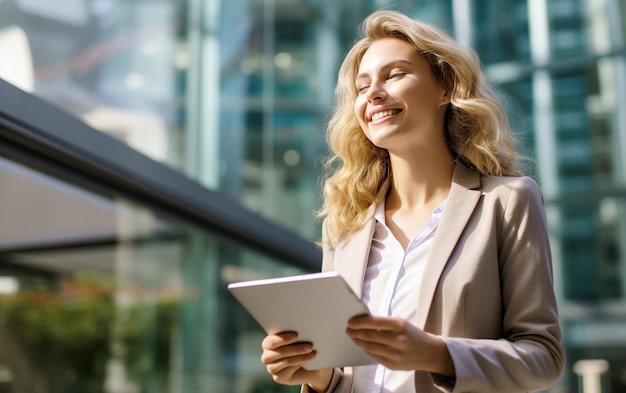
152, 151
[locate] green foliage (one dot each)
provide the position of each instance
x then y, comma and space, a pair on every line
68, 337
145, 334
62, 337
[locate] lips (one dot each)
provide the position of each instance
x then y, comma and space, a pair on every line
385, 113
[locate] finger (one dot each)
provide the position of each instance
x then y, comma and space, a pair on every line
274, 341
382, 341
286, 351
384, 354
384, 337
293, 363
377, 323
360, 319
382, 346
283, 375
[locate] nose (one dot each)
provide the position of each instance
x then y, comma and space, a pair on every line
376, 92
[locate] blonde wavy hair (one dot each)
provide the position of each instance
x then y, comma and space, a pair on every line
477, 126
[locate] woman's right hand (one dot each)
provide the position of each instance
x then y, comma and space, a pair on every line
284, 357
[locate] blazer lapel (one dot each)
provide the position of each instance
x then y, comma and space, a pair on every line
462, 200
351, 256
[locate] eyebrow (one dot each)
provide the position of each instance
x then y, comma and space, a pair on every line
391, 64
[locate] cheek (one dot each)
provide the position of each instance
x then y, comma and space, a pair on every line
359, 109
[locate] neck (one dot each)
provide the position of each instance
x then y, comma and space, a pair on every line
420, 181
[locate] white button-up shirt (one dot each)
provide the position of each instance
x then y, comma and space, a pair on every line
391, 287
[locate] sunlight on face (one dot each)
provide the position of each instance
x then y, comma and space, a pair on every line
400, 102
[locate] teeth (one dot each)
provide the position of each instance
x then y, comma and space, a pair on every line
382, 114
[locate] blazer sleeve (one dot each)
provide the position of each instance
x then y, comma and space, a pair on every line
529, 356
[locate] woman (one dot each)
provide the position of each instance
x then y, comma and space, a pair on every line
429, 220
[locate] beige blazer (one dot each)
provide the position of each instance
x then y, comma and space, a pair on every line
487, 287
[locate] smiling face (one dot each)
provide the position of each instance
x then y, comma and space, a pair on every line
400, 103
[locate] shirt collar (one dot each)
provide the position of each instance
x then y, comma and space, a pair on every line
380, 213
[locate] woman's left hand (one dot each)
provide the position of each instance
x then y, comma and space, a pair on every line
399, 345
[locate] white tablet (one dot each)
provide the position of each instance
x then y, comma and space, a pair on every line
317, 306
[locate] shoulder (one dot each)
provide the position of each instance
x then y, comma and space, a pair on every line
518, 187
516, 198
466, 177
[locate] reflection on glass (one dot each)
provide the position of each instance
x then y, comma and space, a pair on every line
98, 294
240, 89
116, 65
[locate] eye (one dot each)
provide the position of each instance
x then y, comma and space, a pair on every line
397, 75
362, 88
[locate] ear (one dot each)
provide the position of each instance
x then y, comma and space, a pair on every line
447, 84
446, 98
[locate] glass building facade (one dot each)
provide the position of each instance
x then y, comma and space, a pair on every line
151, 151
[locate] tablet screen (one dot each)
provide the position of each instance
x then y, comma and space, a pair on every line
317, 306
